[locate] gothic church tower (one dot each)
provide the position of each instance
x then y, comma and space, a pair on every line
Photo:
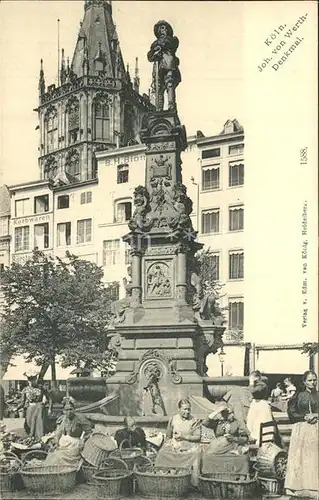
95, 105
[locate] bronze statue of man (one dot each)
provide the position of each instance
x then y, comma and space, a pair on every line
166, 75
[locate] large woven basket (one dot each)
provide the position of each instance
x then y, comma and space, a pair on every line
112, 480
8, 476
270, 485
219, 485
130, 456
110, 463
97, 448
162, 482
49, 478
272, 461
34, 454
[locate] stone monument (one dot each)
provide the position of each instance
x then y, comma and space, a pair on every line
168, 322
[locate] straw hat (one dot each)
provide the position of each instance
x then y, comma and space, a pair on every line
31, 373
217, 410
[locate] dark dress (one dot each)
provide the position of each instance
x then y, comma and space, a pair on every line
302, 468
131, 439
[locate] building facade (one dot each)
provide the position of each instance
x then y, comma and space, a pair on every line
91, 159
89, 218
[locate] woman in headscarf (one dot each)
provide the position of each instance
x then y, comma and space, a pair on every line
70, 445
259, 411
33, 399
302, 468
182, 447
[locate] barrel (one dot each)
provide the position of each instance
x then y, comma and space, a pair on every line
97, 448
271, 461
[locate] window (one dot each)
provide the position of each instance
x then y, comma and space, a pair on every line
236, 265
210, 153
64, 234
236, 314
128, 258
51, 125
41, 204
86, 197
214, 266
111, 252
236, 174
236, 218
73, 120
123, 211
22, 207
41, 236
236, 149
114, 290
210, 221
4, 226
210, 177
102, 121
84, 231
63, 201
22, 237
72, 163
122, 173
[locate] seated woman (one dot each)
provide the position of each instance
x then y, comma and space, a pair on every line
69, 449
230, 436
131, 436
70, 419
182, 447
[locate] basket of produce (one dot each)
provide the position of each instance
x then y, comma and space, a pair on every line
162, 482
9, 469
129, 455
270, 485
221, 485
112, 479
48, 479
272, 461
97, 448
32, 455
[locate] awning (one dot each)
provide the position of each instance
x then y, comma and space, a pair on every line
18, 366
282, 361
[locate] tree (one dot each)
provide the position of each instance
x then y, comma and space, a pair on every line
56, 307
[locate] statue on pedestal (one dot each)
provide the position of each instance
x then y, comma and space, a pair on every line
119, 307
166, 74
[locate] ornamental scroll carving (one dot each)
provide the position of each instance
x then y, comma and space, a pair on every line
153, 356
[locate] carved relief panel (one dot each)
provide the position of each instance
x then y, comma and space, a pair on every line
158, 280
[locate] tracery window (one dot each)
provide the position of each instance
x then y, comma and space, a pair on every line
51, 130
73, 114
101, 115
50, 168
72, 164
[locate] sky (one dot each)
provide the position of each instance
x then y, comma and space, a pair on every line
235, 63
210, 63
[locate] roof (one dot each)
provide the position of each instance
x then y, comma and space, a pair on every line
5, 203
97, 44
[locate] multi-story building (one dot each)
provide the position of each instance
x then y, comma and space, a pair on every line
4, 227
89, 218
91, 159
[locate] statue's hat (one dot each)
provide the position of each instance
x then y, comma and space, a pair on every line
161, 23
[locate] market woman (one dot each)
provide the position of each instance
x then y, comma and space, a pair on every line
182, 447
302, 468
69, 420
259, 411
33, 399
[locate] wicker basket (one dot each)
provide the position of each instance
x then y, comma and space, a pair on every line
272, 461
110, 463
7, 477
112, 480
270, 485
129, 455
97, 448
38, 454
49, 478
239, 486
162, 482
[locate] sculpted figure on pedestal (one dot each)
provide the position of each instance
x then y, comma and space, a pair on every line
166, 74
205, 305
119, 307
138, 221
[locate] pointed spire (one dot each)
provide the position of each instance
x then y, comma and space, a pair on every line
63, 73
136, 81
41, 85
85, 65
